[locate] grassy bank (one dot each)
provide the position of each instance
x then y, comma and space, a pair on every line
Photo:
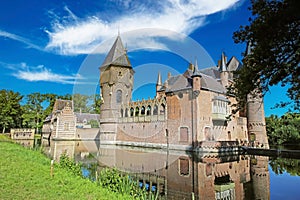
25, 174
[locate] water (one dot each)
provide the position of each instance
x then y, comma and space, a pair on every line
181, 175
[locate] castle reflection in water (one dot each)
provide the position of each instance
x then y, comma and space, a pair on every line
176, 174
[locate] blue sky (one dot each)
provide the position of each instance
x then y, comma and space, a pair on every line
57, 46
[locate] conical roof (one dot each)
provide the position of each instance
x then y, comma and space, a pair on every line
159, 82
117, 55
196, 71
223, 67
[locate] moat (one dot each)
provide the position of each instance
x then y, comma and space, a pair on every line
185, 175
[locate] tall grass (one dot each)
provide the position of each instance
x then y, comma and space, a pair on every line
25, 174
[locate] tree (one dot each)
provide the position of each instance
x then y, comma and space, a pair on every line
81, 103
33, 115
274, 35
283, 130
97, 103
10, 109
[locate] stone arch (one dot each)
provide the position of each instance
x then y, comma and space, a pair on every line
137, 111
155, 109
126, 112
148, 110
119, 96
131, 112
143, 110
162, 109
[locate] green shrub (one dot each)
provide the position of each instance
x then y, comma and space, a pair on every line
66, 162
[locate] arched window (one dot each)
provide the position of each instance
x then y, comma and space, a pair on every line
137, 110
122, 111
155, 110
119, 96
143, 110
126, 112
162, 109
131, 112
148, 110
208, 134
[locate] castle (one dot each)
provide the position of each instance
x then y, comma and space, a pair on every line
190, 111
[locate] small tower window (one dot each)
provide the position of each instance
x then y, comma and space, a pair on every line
119, 96
155, 110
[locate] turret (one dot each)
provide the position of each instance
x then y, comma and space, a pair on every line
223, 70
256, 116
196, 76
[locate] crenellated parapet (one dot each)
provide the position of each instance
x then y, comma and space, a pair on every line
144, 110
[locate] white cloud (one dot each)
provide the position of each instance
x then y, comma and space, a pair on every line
181, 16
40, 73
19, 38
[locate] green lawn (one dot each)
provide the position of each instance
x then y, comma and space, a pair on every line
25, 174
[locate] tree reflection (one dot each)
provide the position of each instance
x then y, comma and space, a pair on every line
288, 165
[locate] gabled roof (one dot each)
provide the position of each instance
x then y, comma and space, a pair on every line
212, 71
81, 117
61, 103
234, 64
184, 81
117, 55
179, 82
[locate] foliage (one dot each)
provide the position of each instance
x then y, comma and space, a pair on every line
97, 103
283, 130
86, 104
37, 107
94, 123
10, 109
33, 115
69, 164
123, 183
25, 174
281, 165
81, 103
32, 112
274, 56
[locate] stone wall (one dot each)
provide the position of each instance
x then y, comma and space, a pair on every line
22, 134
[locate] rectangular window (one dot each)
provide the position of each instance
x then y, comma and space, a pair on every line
66, 126
184, 134
184, 167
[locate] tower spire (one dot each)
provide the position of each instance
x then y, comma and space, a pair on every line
196, 71
117, 55
159, 82
223, 67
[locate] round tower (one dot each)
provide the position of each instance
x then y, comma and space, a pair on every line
256, 116
116, 84
260, 177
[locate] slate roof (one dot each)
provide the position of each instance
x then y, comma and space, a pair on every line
117, 55
212, 71
81, 117
179, 82
184, 81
